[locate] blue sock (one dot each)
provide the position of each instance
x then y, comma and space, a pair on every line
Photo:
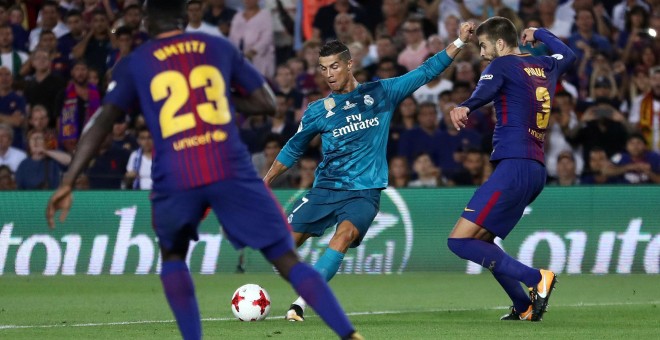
490, 256
515, 291
316, 292
180, 293
328, 264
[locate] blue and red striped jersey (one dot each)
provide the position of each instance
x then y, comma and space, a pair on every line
182, 84
522, 88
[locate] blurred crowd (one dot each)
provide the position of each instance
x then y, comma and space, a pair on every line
57, 58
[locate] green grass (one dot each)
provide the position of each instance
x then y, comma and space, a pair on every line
409, 306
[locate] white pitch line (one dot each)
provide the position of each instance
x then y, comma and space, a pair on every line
385, 312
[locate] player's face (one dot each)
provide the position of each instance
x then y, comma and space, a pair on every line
487, 48
335, 71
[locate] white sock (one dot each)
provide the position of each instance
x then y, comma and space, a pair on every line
300, 302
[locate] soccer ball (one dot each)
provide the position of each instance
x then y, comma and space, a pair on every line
250, 302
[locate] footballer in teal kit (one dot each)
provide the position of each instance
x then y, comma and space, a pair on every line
353, 122
521, 87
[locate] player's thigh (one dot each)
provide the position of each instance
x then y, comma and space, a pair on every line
176, 217
360, 209
314, 213
499, 203
249, 214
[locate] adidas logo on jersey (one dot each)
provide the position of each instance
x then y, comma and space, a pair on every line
348, 105
329, 114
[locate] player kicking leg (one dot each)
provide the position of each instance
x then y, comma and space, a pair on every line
320, 209
493, 211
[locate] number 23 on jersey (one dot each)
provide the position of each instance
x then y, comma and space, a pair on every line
175, 89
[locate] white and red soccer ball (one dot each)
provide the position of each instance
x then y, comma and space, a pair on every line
250, 302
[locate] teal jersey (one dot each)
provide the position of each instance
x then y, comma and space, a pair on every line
354, 128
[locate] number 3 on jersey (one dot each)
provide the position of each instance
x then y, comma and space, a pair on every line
542, 118
173, 86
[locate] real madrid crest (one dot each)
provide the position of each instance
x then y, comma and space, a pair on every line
368, 100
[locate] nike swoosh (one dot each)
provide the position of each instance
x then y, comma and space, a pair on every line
468, 210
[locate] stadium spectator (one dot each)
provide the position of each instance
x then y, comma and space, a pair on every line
132, 18
472, 171
562, 114
306, 167
403, 119
286, 85
645, 111
283, 13
41, 86
108, 168
421, 138
10, 58
195, 23
220, 15
12, 107
431, 91
121, 137
547, 15
453, 143
586, 42
74, 105
637, 165
138, 170
38, 120
43, 168
50, 21
281, 123
427, 175
600, 170
343, 28
395, 13
415, 50
324, 20
263, 160
622, 10
399, 172
7, 181
67, 42
123, 46
565, 170
252, 32
96, 46
634, 36
9, 155
21, 34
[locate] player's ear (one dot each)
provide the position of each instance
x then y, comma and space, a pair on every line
349, 64
499, 44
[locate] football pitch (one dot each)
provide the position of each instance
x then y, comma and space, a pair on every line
408, 306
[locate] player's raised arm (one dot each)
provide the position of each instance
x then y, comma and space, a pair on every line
562, 53
401, 87
96, 130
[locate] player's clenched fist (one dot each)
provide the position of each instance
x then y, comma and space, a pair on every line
466, 30
528, 36
459, 116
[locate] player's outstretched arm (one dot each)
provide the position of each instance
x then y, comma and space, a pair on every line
401, 87
95, 132
260, 101
532, 34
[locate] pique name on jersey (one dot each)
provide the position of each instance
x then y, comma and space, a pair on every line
355, 123
535, 72
193, 46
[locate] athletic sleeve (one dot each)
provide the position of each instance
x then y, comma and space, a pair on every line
121, 90
489, 84
401, 87
563, 55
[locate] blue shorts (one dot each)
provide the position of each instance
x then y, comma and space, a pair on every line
322, 208
499, 203
249, 214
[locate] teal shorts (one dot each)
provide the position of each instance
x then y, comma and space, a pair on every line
322, 208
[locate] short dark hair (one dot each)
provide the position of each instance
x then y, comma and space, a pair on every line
499, 28
124, 30
131, 7
194, 2
637, 135
335, 47
73, 13
50, 3
165, 15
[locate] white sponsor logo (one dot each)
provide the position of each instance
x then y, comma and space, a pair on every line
557, 56
329, 114
368, 100
348, 105
486, 77
355, 123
